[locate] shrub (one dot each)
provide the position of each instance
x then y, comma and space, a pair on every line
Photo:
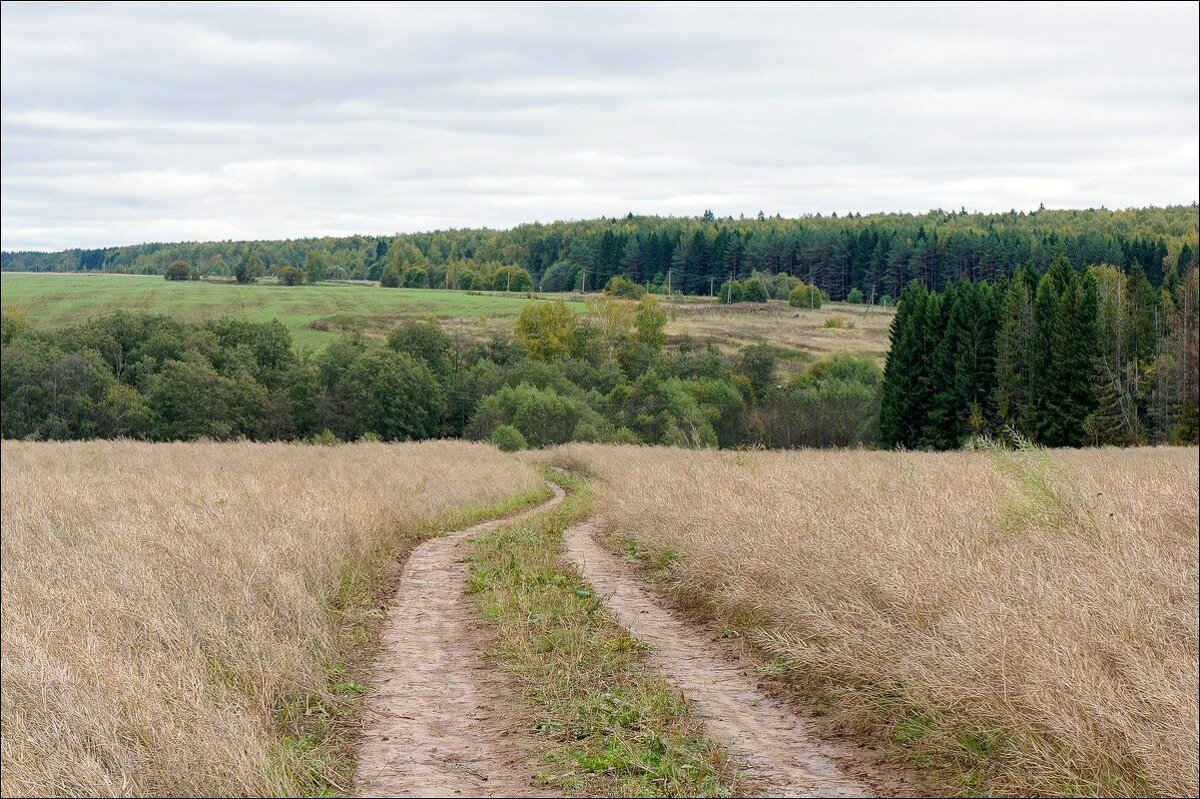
753, 290
623, 287
415, 278
782, 285
325, 438
838, 322
731, 291
178, 270
805, 296
543, 416
290, 275
509, 439
390, 278
855, 297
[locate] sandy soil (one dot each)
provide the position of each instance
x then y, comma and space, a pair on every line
436, 724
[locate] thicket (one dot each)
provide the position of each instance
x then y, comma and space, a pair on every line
603, 375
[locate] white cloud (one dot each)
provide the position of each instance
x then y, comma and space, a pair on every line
163, 122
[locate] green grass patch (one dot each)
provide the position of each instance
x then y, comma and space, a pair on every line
610, 725
55, 299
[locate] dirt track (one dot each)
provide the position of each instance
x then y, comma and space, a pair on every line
771, 740
435, 725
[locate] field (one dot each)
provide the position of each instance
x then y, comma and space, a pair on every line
185, 619
1020, 623
313, 313
51, 299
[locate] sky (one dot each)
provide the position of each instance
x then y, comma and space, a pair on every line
143, 122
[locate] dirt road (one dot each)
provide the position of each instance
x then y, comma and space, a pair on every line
770, 739
436, 725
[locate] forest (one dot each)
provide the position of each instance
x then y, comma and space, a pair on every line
602, 374
1073, 358
874, 256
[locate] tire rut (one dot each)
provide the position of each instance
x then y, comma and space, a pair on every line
769, 739
435, 724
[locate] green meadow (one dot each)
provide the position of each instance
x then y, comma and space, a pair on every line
311, 313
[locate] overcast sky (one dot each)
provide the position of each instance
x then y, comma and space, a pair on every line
146, 122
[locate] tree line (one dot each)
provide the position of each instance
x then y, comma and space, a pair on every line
1098, 356
603, 374
874, 256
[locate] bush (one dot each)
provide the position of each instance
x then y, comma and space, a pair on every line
731, 291
753, 290
623, 287
838, 322
855, 297
390, 278
325, 438
290, 275
178, 270
782, 285
509, 439
805, 296
543, 416
415, 278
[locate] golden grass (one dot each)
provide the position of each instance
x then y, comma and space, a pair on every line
177, 617
803, 331
1026, 620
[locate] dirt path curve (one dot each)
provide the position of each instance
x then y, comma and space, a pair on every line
770, 739
434, 726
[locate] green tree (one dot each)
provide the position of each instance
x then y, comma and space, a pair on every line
178, 270
416, 278
250, 270
290, 276
392, 395
316, 266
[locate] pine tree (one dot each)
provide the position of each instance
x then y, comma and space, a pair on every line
1013, 349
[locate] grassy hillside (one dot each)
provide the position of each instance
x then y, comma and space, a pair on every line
54, 299
312, 313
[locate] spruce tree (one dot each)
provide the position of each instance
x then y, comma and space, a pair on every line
901, 377
1013, 342
943, 424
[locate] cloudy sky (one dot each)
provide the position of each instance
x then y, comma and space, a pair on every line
146, 122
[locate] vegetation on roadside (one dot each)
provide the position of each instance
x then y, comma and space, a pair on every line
610, 726
1015, 623
211, 634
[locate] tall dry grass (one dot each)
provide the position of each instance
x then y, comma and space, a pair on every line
173, 611
1030, 618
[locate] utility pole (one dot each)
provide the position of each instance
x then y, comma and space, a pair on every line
711, 282
729, 290
668, 282
508, 285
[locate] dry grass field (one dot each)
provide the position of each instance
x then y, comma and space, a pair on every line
810, 334
178, 618
1021, 622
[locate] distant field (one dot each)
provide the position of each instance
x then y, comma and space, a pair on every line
56, 299
312, 313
